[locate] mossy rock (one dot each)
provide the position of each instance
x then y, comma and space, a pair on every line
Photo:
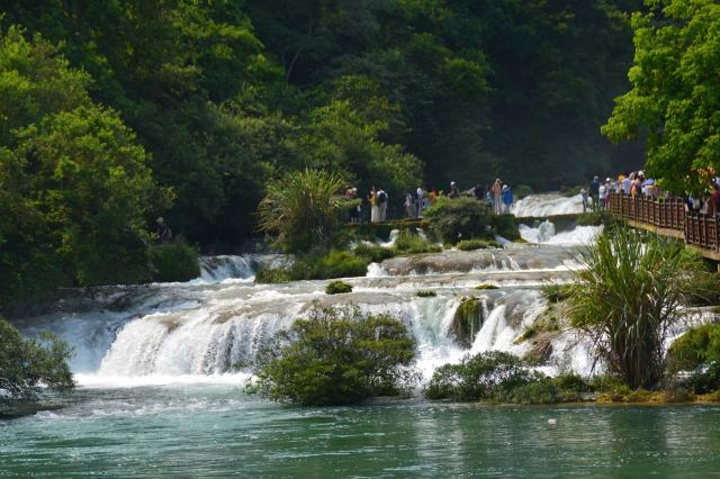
338, 287
273, 276
468, 321
425, 294
476, 244
486, 286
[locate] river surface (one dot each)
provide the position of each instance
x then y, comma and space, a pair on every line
158, 395
216, 430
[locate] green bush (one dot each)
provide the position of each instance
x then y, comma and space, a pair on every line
705, 378
704, 290
337, 356
29, 365
486, 286
452, 220
338, 287
626, 299
506, 226
425, 294
483, 377
556, 293
176, 261
594, 218
475, 244
540, 391
333, 264
374, 253
695, 347
273, 276
408, 242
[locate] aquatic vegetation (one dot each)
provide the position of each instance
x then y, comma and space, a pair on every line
338, 287
697, 346
177, 261
475, 244
626, 299
27, 366
468, 320
425, 294
337, 356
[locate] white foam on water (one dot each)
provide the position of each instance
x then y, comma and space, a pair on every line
539, 206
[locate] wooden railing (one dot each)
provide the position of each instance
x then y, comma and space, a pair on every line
696, 228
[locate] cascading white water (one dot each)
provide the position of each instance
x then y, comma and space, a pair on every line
540, 206
224, 267
545, 233
208, 326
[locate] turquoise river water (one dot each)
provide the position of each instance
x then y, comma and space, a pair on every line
218, 431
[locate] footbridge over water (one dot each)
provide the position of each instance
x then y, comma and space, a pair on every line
669, 217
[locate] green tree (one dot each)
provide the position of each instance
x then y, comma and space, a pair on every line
626, 300
674, 100
28, 366
75, 184
337, 356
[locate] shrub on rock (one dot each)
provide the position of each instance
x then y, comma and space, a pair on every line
337, 356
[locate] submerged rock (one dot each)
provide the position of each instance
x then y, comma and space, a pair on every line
468, 321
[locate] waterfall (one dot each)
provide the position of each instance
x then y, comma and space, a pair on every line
539, 206
216, 325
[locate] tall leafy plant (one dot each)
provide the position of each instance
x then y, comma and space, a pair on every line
303, 208
626, 299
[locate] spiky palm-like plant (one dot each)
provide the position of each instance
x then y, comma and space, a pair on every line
626, 299
303, 208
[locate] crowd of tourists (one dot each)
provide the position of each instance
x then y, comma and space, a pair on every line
637, 185
498, 198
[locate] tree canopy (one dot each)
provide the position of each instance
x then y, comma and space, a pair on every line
674, 103
188, 109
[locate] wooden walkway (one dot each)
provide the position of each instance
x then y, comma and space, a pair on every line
669, 218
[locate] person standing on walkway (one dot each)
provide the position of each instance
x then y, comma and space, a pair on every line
594, 192
497, 196
382, 204
507, 196
420, 201
374, 208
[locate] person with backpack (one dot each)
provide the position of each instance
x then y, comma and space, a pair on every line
382, 198
507, 197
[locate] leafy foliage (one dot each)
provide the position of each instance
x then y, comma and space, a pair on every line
695, 347
674, 98
338, 287
475, 244
337, 356
453, 220
483, 377
28, 365
303, 208
626, 299
409, 242
174, 262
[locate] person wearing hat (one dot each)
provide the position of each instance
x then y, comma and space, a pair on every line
453, 193
508, 199
497, 196
162, 231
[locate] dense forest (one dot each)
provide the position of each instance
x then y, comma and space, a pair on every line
119, 111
